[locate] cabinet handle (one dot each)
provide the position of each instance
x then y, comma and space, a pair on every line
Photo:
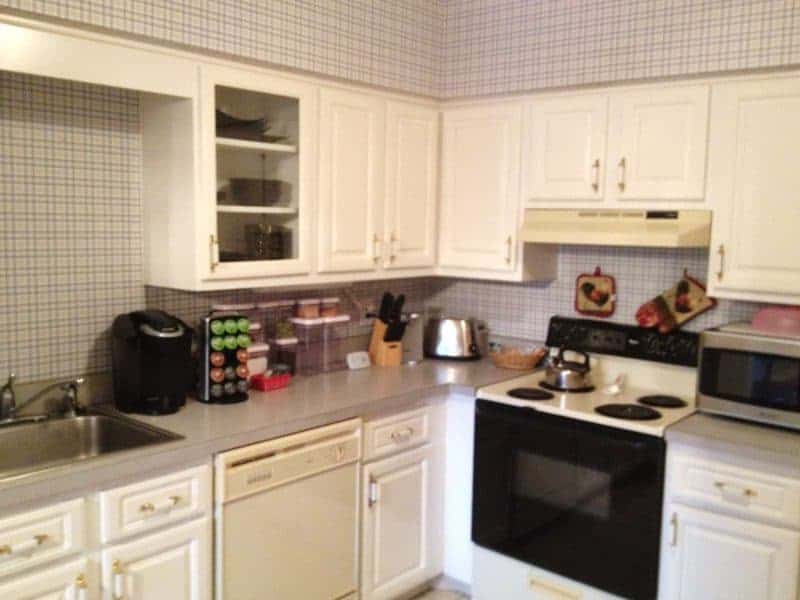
24, 547
674, 524
392, 247
509, 241
376, 248
118, 583
747, 492
150, 508
403, 435
81, 587
596, 174
621, 181
372, 498
213, 249
721, 253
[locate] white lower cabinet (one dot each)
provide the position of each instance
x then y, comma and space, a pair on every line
402, 531
714, 557
65, 582
174, 563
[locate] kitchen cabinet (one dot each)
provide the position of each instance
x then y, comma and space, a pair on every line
753, 183
642, 147
565, 148
657, 144
480, 188
65, 582
412, 155
715, 556
351, 176
174, 563
480, 207
402, 500
396, 524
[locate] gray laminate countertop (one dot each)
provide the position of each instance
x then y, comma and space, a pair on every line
738, 438
208, 429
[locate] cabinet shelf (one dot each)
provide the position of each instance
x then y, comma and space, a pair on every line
233, 143
257, 210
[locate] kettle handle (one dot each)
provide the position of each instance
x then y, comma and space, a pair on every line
578, 352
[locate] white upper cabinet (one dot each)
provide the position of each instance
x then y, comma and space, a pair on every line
257, 178
657, 144
753, 184
565, 148
351, 180
480, 188
412, 154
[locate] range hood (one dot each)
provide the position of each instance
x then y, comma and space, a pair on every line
609, 227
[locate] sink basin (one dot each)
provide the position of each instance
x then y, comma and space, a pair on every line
31, 447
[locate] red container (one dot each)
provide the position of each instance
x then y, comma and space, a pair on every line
270, 384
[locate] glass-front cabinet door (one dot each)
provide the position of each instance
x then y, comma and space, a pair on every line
257, 173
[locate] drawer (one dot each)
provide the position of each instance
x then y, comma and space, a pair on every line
742, 491
398, 432
149, 504
41, 536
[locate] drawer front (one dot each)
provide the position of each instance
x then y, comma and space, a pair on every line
398, 432
742, 491
149, 504
41, 536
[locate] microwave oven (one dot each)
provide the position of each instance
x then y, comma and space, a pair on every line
748, 374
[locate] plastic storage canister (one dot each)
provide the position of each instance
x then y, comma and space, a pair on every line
258, 359
307, 309
329, 307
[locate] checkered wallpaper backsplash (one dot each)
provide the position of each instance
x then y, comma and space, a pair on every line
71, 226
70, 154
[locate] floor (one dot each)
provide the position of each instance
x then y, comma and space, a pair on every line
441, 595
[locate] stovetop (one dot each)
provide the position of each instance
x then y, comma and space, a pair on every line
639, 379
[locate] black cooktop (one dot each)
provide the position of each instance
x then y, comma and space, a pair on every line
630, 412
528, 393
662, 401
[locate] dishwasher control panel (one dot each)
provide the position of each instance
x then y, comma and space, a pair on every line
271, 465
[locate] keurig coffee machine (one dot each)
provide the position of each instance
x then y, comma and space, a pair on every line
152, 362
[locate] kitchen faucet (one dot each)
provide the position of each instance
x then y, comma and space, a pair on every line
9, 407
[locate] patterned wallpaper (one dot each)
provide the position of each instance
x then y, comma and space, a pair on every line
70, 154
394, 43
495, 46
71, 226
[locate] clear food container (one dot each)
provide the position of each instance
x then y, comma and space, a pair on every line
258, 359
308, 308
329, 307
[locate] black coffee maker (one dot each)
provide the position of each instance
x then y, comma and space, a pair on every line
152, 361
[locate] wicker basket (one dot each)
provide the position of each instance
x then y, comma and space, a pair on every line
515, 358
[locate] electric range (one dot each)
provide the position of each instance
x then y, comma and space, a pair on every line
572, 482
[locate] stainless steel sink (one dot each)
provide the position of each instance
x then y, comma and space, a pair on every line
31, 447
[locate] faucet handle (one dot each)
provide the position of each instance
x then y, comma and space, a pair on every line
72, 406
8, 389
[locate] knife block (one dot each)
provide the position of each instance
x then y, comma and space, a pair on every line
384, 354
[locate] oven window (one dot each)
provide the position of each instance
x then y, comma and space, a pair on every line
561, 485
759, 379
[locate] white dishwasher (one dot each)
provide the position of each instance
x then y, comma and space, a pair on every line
287, 517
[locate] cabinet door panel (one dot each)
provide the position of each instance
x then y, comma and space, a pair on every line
54, 583
351, 180
411, 182
397, 529
715, 557
175, 564
480, 188
658, 143
753, 183
565, 144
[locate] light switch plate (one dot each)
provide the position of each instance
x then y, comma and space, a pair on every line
358, 360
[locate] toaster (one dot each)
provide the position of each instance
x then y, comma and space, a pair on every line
453, 338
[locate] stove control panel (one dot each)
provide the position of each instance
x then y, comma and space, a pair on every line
590, 335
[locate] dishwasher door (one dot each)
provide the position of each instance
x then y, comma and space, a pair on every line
287, 522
